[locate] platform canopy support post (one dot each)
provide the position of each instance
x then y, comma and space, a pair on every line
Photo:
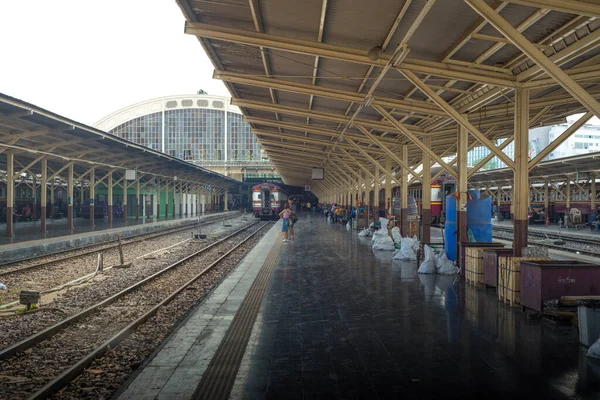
521, 175
174, 194
166, 199
52, 213
44, 194
404, 193
546, 195
568, 199
461, 206
10, 193
137, 199
92, 195
158, 194
593, 193
186, 194
110, 185
376, 184
181, 200
388, 186
225, 200
70, 184
426, 195
125, 187
34, 196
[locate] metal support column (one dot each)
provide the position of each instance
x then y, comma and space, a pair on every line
52, 213
226, 202
92, 194
186, 194
167, 200
125, 186
34, 197
137, 199
376, 184
546, 195
461, 208
593, 193
404, 193
10, 192
388, 186
426, 195
109, 185
568, 199
180, 199
44, 195
521, 187
158, 200
70, 197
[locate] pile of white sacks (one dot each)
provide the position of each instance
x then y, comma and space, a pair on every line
432, 263
437, 263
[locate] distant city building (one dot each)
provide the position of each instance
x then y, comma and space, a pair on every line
203, 129
585, 140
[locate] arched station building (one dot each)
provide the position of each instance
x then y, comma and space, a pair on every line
199, 128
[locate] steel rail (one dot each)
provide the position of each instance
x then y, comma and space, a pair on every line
52, 330
135, 239
75, 370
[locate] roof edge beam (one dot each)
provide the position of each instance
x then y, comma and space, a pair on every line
314, 48
517, 38
566, 6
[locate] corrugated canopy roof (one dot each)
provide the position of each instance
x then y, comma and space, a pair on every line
33, 133
307, 74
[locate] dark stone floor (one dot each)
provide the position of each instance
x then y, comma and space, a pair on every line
342, 321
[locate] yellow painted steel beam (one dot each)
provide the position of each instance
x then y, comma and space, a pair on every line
370, 158
390, 153
414, 139
577, 7
259, 105
460, 119
559, 140
562, 78
321, 91
315, 48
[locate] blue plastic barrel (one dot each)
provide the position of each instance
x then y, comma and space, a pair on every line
479, 221
450, 228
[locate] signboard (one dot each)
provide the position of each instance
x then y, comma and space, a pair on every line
307, 188
130, 174
318, 174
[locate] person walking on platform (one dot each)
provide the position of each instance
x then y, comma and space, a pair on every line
285, 216
293, 217
596, 222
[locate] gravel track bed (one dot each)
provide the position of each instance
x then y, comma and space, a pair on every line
106, 374
71, 344
536, 239
77, 298
53, 275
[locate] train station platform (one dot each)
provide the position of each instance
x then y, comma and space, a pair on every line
29, 241
338, 320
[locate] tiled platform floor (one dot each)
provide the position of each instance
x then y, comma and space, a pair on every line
341, 321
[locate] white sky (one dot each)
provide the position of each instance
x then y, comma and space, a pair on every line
85, 60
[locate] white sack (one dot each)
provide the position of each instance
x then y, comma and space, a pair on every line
406, 251
396, 234
594, 350
364, 233
447, 267
428, 264
385, 243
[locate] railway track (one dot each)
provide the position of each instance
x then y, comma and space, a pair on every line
68, 347
91, 249
560, 241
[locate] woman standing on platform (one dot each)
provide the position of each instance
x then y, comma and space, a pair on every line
293, 217
285, 215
